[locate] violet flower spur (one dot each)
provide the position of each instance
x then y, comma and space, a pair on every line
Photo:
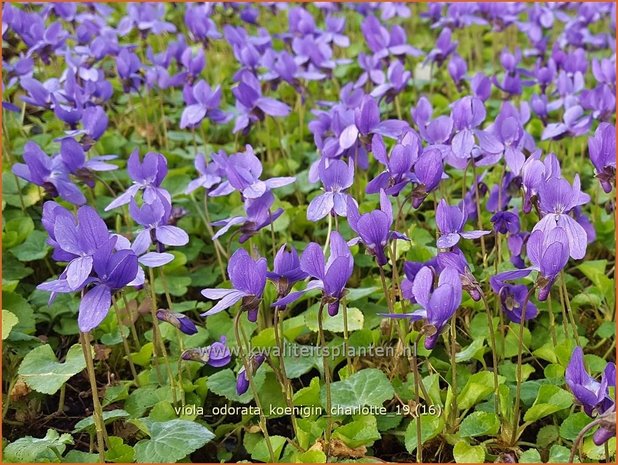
456, 260
513, 297
467, 114
252, 106
383, 42
336, 178
398, 163
450, 222
287, 270
243, 171
178, 320
444, 47
113, 270
437, 305
248, 279
78, 240
330, 277
594, 396
74, 158
367, 122
50, 173
548, 254
155, 216
397, 79
428, 172
556, 199
147, 175
202, 102
258, 216
216, 355
373, 228
242, 381
602, 150
211, 173
575, 123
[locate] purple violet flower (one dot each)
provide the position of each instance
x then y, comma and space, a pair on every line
450, 222
216, 355
331, 277
178, 320
437, 305
336, 178
248, 279
147, 175
374, 228
602, 149
594, 396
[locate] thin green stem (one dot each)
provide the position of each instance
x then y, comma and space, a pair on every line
520, 343
252, 386
98, 411
327, 380
125, 344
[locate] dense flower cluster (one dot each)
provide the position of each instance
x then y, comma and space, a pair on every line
484, 156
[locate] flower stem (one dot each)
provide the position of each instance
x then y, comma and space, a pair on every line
330, 228
278, 326
181, 345
98, 411
520, 343
479, 219
417, 386
156, 335
253, 387
346, 335
327, 381
127, 350
131, 321
494, 353
567, 304
453, 353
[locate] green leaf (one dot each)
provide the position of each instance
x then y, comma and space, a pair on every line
21, 308
41, 370
594, 452
559, 454
171, 441
363, 431
335, 323
34, 248
573, 424
359, 293
479, 424
17, 231
296, 363
78, 456
309, 395
550, 399
8, 321
118, 451
87, 424
471, 351
145, 398
260, 452
547, 435
465, 453
311, 456
366, 387
223, 383
530, 456
431, 426
606, 330
478, 387
29, 449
